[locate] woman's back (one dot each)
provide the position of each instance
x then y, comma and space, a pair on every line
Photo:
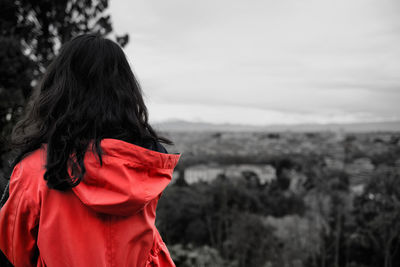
86, 183
107, 220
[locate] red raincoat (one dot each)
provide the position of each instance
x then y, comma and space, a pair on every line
107, 220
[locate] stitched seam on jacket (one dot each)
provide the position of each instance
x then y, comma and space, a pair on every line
15, 221
106, 240
111, 242
16, 212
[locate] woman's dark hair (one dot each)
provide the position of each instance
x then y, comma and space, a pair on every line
87, 93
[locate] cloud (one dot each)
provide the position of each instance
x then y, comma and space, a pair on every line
291, 57
252, 115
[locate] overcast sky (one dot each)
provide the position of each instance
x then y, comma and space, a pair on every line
265, 62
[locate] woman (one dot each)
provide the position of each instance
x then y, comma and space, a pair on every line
90, 168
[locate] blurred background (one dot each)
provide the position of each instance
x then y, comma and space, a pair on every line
286, 114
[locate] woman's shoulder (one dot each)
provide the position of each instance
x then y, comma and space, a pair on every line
26, 182
34, 161
29, 168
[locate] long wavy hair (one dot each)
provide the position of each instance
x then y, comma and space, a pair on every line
87, 93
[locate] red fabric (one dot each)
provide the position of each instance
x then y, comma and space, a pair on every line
107, 220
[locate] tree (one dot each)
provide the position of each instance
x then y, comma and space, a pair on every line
377, 216
252, 242
225, 215
329, 197
15, 77
43, 26
189, 256
31, 34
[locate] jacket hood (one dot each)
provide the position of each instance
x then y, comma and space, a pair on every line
129, 178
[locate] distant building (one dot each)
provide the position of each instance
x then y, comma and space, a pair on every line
357, 189
359, 171
297, 181
208, 173
334, 163
265, 173
204, 173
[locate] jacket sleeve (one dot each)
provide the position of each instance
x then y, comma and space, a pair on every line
19, 219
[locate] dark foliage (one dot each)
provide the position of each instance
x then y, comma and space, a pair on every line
31, 33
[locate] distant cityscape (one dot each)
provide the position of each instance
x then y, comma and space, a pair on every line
247, 147
301, 198
188, 126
